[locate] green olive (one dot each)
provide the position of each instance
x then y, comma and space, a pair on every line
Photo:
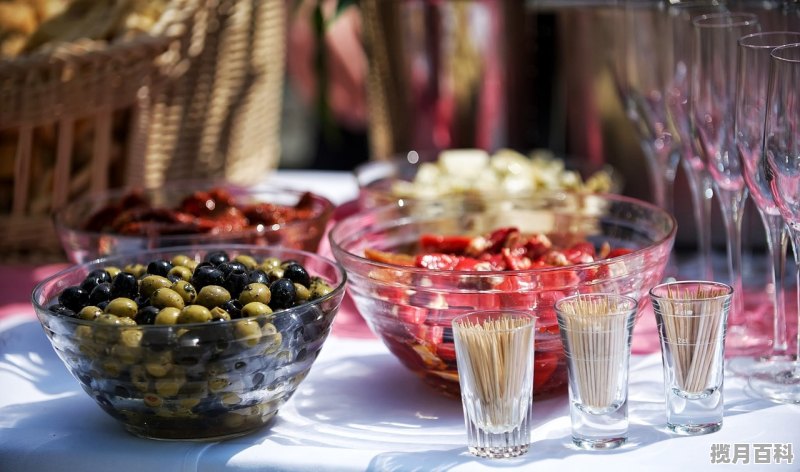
271, 338
194, 314
114, 320
219, 314
181, 260
112, 271
151, 283
166, 297
159, 364
122, 307
185, 290
168, 316
217, 384
255, 309
255, 293
170, 385
274, 273
319, 288
183, 272
248, 332
139, 378
247, 261
188, 403
302, 293
112, 367
131, 337
127, 355
230, 398
152, 400
83, 333
269, 263
212, 295
136, 269
89, 312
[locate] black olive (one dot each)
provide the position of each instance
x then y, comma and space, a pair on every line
124, 285
191, 348
233, 307
258, 276
101, 274
89, 283
159, 267
158, 339
101, 293
61, 310
204, 264
74, 298
142, 301
146, 315
102, 305
216, 257
282, 294
231, 266
206, 275
258, 380
236, 281
297, 273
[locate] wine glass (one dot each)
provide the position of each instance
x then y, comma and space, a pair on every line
680, 36
713, 95
645, 80
780, 381
751, 97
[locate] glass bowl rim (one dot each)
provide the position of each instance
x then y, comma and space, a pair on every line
335, 292
337, 248
190, 186
397, 161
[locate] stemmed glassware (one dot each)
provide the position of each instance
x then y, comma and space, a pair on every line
680, 38
780, 381
751, 97
713, 91
644, 28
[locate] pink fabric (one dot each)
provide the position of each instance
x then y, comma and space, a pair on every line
18, 282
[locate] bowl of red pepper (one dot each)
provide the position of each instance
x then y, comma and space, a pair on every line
415, 265
191, 213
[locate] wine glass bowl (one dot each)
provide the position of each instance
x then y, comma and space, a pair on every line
713, 98
780, 381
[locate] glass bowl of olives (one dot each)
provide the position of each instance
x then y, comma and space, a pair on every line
192, 343
190, 213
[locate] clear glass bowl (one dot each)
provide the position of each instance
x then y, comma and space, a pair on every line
411, 308
83, 245
200, 381
377, 179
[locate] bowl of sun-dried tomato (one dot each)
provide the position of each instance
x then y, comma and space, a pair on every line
413, 266
190, 213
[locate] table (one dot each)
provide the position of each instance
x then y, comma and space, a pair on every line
359, 409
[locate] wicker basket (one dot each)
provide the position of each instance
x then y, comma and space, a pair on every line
199, 97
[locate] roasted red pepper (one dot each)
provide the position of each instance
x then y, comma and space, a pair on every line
212, 211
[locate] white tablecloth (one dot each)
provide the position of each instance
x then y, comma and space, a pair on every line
359, 409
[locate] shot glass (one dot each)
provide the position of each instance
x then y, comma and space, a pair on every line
692, 318
596, 332
494, 353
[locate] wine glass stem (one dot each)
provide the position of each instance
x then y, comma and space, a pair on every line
776, 243
702, 193
732, 206
795, 235
661, 167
